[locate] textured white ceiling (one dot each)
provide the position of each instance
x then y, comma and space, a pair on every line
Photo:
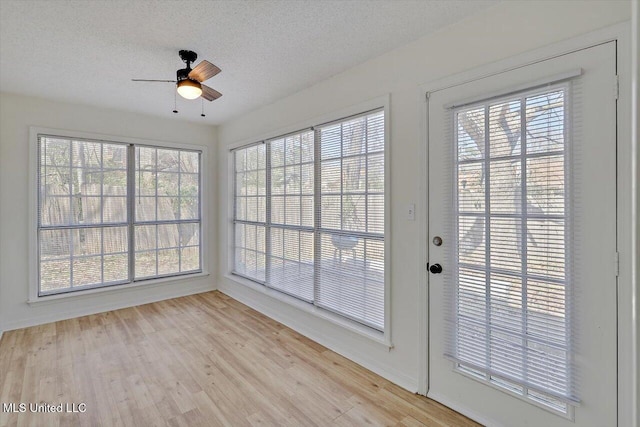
87, 51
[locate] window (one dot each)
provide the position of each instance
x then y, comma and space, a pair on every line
309, 216
291, 231
167, 212
513, 288
250, 212
112, 213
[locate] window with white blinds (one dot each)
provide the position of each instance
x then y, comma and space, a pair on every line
351, 220
512, 283
111, 213
309, 216
166, 211
291, 231
250, 207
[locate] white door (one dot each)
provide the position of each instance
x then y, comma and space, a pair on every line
522, 194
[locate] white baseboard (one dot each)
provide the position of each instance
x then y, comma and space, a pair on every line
157, 295
405, 381
482, 419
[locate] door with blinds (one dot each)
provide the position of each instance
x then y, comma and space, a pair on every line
522, 244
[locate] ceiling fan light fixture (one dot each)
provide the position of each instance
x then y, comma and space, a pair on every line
189, 89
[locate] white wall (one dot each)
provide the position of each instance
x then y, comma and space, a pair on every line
17, 113
500, 32
635, 196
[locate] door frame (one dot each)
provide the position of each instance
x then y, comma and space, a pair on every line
626, 162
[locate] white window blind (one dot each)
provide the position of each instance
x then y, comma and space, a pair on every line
250, 207
316, 229
167, 212
351, 221
512, 283
86, 228
291, 229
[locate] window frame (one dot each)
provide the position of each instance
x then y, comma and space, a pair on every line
498, 380
35, 132
379, 103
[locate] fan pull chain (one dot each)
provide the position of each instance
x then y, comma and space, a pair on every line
175, 101
202, 103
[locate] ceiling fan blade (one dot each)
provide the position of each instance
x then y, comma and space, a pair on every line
210, 94
204, 71
160, 81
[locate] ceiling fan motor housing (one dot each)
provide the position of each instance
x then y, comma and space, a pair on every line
183, 74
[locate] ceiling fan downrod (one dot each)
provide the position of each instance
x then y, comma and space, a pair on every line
188, 57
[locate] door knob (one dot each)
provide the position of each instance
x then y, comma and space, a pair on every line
435, 268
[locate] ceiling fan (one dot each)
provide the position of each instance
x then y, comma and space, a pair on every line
189, 81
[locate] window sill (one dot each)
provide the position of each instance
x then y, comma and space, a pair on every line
114, 288
350, 325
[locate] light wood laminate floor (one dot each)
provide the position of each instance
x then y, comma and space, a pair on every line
201, 360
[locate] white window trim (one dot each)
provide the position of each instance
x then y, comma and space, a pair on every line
384, 338
34, 131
